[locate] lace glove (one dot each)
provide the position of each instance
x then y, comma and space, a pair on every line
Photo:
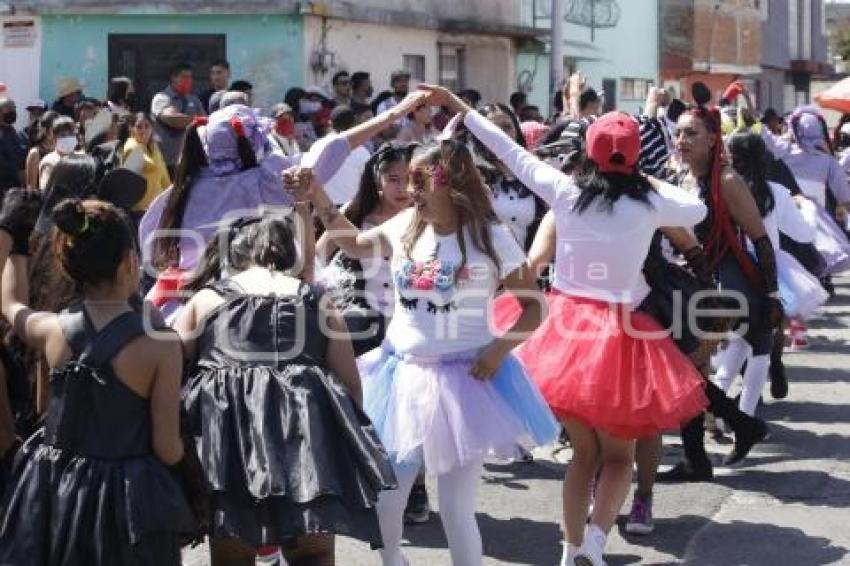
767, 264
698, 264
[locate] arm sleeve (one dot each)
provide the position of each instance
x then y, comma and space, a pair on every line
543, 179
678, 208
326, 157
838, 182
776, 145
159, 103
654, 152
511, 255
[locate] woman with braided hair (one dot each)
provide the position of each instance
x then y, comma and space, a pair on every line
732, 215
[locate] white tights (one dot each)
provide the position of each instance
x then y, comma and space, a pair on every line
457, 492
729, 362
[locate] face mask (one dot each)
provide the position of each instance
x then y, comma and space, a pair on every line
309, 106
10, 117
66, 144
184, 86
285, 127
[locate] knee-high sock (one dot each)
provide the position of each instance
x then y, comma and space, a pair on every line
754, 379
458, 491
729, 362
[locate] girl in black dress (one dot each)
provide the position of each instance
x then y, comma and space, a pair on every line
273, 404
93, 486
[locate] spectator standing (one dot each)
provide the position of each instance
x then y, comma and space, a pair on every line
121, 95
419, 128
361, 87
64, 133
142, 155
69, 93
219, 79
173, 110
518, 101
42, 145
13, 146
246, 88
342, 89
399, 84
36, 110
284, 137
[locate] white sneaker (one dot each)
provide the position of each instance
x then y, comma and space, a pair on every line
568, 554
590, 552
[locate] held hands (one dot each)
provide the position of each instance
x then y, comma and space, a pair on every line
441, 96
487, 363
18, 216
298, 181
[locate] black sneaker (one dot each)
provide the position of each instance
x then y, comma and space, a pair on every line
686, 472
745, 439
418, 510
778, 380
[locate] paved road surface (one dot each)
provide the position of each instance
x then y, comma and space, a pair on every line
790, 505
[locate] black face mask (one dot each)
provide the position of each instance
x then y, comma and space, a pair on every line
400, 93
10, 117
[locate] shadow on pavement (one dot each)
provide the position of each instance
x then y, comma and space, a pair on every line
807, 487
671, 535
805, 412
742, 542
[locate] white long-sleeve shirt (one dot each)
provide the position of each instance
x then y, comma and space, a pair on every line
599, 253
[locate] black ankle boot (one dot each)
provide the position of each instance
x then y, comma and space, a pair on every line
684, 471
778, 380
745, 438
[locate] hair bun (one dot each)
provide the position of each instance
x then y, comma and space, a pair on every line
70, 216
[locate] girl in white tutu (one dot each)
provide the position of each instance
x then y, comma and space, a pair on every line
441, 390
800, 292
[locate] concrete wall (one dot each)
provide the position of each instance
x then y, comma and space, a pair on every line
775, 36
379, 50
264, 49
19, 69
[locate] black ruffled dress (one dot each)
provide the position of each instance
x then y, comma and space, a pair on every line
284, 449
87, 489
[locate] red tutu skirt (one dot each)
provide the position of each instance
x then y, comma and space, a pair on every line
610, 368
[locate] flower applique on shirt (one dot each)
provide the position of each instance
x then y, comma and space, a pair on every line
437, 278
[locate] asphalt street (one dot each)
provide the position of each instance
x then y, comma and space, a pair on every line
789, 504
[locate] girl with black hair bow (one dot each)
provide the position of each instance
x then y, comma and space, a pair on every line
94, 485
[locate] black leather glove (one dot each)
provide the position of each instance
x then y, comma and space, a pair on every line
18, 216
767, 265
698, 264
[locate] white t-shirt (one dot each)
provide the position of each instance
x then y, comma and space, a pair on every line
786, 217
440, 307
343, 186
379, 282
599, 253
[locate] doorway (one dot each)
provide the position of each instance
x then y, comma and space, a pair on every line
147, 59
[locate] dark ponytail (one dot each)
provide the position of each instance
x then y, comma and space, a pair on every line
749, 160
192, 160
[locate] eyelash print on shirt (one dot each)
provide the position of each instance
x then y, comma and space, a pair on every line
409, 304
444, 309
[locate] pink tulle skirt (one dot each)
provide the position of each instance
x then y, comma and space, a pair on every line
610, 368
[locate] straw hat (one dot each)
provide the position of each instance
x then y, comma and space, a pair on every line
68, 86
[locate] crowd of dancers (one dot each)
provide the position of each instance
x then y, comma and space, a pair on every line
250, 362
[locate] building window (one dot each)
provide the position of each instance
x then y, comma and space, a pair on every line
634, 89
415, 65
451, 66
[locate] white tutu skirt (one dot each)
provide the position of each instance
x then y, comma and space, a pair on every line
431, 411
801, 293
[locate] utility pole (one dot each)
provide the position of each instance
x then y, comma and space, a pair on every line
556, 64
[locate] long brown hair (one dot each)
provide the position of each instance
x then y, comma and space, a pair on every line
469, 195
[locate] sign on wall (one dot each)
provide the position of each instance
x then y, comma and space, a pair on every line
19, 33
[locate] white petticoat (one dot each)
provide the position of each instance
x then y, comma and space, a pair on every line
801, 293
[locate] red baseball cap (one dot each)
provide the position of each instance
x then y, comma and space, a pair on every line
613, 143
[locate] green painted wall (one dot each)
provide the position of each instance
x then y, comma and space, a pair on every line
264, 49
